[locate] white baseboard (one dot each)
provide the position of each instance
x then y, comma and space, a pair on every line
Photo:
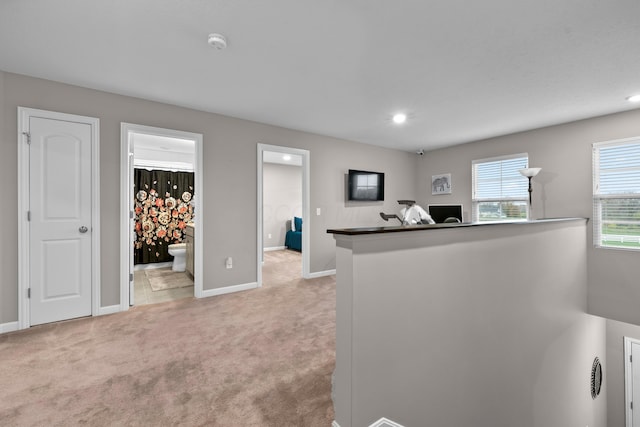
275, 248
382, 422
8, 327
321, 274
13, 326
108, 310
228, 289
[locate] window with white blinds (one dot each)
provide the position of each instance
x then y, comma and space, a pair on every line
499, 190
616, 194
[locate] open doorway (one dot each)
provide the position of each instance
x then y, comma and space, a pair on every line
161, 205
283, 216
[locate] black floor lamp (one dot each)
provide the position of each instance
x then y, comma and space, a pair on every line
530, 173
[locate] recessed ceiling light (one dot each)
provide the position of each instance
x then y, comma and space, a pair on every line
633, 98
399, 118
286, 157
217, 40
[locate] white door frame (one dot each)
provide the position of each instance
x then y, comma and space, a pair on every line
306, 173
628, 380
24, 114
126, 203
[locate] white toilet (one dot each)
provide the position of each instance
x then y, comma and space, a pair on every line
179, 252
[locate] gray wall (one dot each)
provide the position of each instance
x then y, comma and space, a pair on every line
562, 189
230, 167
467, 326
282, 200
614, 370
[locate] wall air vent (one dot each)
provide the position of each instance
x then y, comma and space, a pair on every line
596, 378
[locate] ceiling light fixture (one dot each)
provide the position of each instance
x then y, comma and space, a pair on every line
633, 98
217, 40
399, 118
286, 157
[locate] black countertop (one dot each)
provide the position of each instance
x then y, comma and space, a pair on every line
404, 228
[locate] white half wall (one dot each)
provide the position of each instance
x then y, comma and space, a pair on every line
469, 326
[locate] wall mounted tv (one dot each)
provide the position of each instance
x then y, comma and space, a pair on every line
441, 212
365, 186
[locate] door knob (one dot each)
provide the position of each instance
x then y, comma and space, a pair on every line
83, 229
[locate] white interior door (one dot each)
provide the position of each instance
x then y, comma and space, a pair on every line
635, 389
60, 229
632, 381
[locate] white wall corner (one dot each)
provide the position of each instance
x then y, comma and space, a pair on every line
8, 327
383, 422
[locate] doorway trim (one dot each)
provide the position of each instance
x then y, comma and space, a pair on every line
126, 203
24, 280
306, 173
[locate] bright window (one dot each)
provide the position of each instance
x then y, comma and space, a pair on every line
616, 194
499, 190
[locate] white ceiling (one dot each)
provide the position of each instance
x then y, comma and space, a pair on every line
163, 143
163, 152
462, 70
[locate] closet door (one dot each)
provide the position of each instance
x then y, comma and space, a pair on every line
60, 226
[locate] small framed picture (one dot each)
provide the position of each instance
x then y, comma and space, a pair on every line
441, 184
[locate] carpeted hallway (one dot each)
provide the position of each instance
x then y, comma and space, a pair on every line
256, 358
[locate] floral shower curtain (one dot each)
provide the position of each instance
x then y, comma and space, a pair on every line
163, 206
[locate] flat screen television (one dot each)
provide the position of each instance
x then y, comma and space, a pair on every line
365, 186
441, 212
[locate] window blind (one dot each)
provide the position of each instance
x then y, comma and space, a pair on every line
499, 190
616, 194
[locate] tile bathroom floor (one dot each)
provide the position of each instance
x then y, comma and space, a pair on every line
143, 294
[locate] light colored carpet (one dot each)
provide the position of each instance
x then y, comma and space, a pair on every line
262, 357
165, 278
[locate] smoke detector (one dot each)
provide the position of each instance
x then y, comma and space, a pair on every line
217, 40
